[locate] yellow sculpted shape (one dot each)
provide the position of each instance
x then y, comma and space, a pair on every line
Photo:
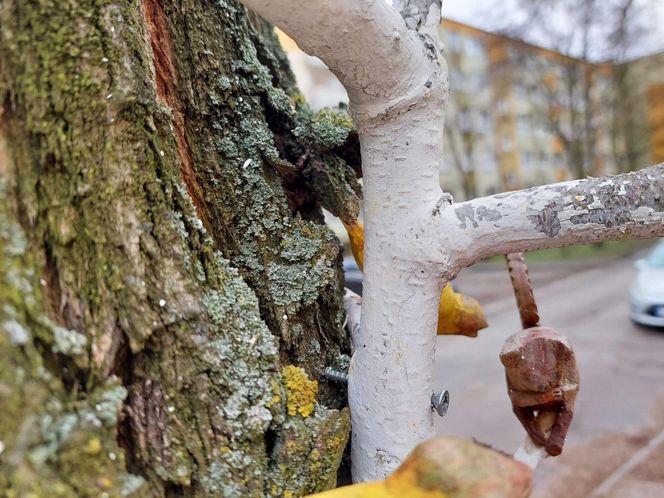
447, 467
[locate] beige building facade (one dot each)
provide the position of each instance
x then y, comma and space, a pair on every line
521, 115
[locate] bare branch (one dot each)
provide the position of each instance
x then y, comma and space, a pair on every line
628, 206
529, 453
365, 43
353, 307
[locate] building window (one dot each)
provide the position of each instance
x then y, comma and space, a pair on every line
506, 143
474, 47
503, 107
454, 42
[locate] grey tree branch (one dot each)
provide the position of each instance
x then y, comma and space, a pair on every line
627, 206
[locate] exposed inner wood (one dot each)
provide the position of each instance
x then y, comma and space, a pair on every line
167, 92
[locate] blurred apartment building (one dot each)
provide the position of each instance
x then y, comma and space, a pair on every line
640, 87
521, 115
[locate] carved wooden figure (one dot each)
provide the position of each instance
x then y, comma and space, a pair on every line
541, 378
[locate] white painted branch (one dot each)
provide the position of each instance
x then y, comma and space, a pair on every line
353, 307
398, 91
529, 453
365, 43
628, 206
422, 16
415, 239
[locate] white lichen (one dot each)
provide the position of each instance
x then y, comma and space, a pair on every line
18, 334
68, 341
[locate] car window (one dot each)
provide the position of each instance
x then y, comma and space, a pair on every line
656, 257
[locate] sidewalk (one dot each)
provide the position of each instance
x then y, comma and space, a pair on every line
490, 282
614, 449
617, 466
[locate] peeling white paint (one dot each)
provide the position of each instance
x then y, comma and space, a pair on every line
596, 204
645, 214
550, 217
530, 454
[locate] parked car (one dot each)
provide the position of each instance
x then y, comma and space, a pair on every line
647, 291
353, 275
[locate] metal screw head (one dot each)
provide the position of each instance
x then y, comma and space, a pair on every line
440, 402
335, 375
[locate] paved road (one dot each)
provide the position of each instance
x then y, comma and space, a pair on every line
621, 365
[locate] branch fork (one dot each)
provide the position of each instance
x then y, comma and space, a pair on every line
415, 242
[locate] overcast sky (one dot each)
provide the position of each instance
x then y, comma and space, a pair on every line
476, 13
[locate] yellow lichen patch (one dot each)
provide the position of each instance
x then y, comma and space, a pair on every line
315, 459
459, 314
93, 446
300, 390
276, 397
298, 98
335, 442
105, 483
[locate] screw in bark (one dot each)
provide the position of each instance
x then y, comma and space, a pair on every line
335, 375
440, 402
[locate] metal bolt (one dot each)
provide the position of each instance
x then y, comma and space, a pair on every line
440, 402
335, 375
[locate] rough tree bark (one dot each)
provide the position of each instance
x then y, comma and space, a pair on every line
164, 266
416, 238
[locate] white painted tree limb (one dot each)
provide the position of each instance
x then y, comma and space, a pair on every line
628, 206
397, 90
353, 307
530, 453
365, 43
416, 240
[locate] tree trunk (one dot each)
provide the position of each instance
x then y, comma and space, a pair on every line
165, 268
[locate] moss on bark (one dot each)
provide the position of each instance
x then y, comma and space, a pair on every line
53, 441
163, 245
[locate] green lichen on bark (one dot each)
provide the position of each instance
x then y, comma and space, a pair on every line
260, 178
53, 444
304, 465
145, 333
